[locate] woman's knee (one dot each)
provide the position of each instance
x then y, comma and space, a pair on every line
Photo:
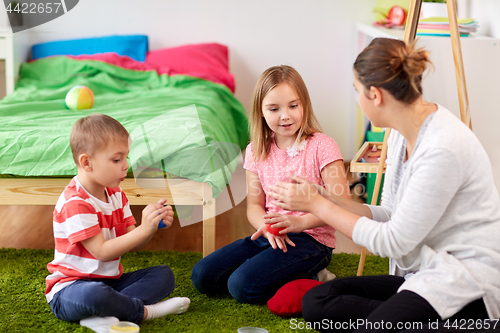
312, 304
324, 300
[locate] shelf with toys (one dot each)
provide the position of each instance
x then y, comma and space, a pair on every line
367, 158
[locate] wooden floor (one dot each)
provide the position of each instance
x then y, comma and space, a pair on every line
31, 227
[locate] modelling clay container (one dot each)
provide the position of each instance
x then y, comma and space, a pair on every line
251, 330
124, 326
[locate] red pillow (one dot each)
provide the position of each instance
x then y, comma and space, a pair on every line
287, 302
206, 61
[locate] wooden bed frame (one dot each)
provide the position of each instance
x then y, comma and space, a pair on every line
46, 191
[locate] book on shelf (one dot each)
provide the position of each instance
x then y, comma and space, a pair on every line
440, 26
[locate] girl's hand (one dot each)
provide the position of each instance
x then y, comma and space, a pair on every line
275, 241
300, 195
153, 213
291, 223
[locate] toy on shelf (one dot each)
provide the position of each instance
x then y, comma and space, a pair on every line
367, 158
395, 18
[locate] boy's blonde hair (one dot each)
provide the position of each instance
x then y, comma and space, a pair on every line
92, 133
260, 133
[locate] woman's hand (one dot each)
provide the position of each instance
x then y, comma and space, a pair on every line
275, 241
300, 195
291, 223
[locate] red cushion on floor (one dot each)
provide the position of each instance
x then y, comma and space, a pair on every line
287, 302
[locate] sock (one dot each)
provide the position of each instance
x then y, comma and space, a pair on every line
99, 324
325, 275
174, 305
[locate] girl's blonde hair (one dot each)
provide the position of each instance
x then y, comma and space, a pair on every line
260, 133
393, 65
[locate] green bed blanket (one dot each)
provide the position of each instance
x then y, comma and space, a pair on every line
181, 125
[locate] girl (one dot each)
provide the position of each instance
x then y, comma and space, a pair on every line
286, 139
440, 214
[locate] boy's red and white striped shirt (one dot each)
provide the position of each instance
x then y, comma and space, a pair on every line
78, 216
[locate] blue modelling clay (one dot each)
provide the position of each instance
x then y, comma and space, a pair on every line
161, 225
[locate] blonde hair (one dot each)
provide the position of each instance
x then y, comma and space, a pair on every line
260, 132
394, 66
92, 133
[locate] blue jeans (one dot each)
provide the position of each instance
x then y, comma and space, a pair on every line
123, 298
252, 271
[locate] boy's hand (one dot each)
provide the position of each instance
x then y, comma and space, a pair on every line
169, 217
153, 213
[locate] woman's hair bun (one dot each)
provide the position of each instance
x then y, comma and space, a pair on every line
393, 65
416, 60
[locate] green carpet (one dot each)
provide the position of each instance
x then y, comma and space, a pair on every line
23, 307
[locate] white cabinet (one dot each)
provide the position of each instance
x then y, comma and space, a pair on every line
481, 59
14, 50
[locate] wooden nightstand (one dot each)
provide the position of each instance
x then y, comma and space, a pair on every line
14, 50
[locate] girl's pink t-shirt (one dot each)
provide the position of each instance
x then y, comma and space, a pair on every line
320, 150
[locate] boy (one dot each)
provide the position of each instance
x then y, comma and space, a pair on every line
94, 226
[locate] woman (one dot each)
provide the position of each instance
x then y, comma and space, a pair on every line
439, 221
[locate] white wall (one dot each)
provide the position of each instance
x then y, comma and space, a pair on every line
487, 12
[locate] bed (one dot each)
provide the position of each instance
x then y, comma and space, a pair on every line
187, 128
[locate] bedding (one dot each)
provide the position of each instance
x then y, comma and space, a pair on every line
134, 46
207, 61
35, 127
